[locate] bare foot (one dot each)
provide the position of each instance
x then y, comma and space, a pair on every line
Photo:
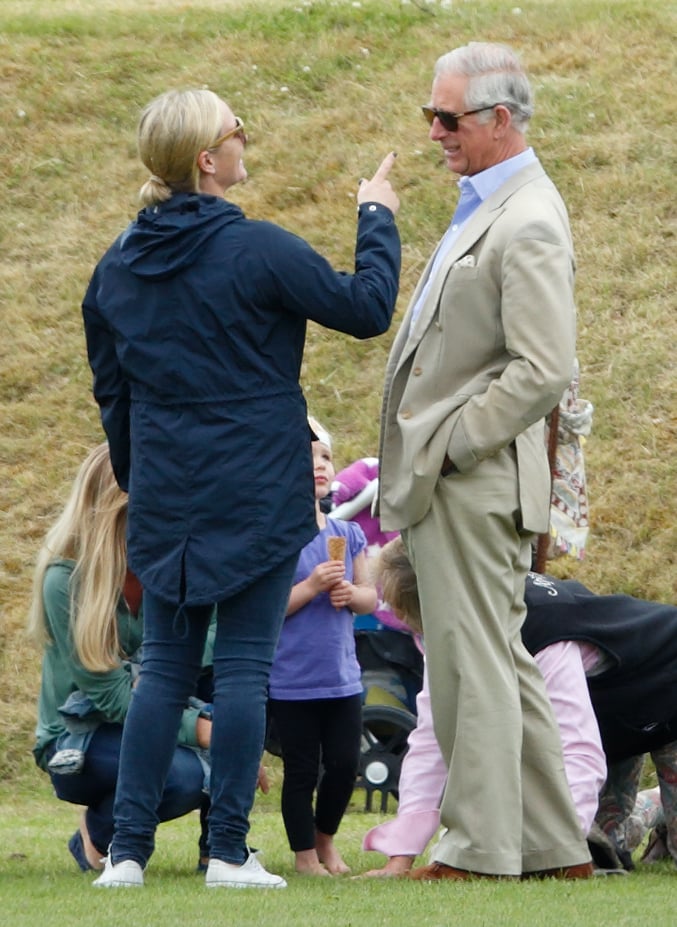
328, 855
395, 868
307, 863
94, 858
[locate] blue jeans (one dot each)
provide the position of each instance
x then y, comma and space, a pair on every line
248, 627
94, 787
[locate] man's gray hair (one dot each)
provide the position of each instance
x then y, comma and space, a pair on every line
495, 75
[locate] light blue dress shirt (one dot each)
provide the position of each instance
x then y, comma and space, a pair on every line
473, 191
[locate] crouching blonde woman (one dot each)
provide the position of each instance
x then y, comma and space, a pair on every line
86, 614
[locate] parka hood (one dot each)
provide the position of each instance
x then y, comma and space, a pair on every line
166, 238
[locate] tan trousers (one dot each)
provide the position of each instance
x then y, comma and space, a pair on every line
506, 806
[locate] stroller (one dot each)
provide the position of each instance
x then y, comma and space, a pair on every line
392, 675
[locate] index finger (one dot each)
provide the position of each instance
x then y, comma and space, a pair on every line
385, 166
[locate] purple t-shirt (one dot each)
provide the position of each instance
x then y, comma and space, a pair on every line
316, 654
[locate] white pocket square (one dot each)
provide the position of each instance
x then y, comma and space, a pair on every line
467, 261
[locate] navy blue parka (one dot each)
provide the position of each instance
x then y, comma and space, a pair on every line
195, 321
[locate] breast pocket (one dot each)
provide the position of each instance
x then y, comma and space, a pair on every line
469, 315
458, 289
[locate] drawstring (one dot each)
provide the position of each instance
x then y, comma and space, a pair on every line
180, 622
181, 630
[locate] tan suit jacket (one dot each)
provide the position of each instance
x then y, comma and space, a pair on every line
489, 355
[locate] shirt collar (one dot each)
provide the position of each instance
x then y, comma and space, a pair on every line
488, 181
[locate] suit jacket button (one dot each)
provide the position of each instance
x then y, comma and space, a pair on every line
406, 414
417, 371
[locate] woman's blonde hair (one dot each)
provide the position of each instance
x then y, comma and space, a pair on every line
173, 129
396, 575
91, 530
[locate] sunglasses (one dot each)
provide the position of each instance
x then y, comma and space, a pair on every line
450, 120
238, 131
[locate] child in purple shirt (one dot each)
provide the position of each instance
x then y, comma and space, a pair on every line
315, 682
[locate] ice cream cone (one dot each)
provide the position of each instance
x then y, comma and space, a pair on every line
336, 547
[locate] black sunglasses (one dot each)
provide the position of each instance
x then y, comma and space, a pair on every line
450, 120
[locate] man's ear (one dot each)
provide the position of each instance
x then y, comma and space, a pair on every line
503, 119
205, 162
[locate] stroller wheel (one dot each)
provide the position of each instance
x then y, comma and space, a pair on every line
384, 744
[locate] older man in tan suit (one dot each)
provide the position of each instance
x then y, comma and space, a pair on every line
484, 352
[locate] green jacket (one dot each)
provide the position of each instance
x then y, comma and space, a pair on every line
63, 674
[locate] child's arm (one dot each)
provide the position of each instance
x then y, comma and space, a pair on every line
360, 596
324, 576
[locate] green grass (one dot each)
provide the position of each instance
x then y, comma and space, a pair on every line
39, 884
326, 89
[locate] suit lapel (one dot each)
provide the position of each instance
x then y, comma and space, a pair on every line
472, 231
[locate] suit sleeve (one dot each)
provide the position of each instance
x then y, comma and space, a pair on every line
538, 319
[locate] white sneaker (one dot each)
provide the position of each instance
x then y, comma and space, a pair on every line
125, 874
250, 874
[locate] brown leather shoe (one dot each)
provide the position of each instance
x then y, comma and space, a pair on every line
437, 872
582, 871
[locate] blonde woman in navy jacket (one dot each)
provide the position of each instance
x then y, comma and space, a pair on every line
195, 321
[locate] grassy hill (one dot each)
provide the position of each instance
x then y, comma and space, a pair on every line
326, 89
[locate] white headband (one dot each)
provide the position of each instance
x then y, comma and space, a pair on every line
319, 433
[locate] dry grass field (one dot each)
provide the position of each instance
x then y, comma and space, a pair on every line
326, 89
